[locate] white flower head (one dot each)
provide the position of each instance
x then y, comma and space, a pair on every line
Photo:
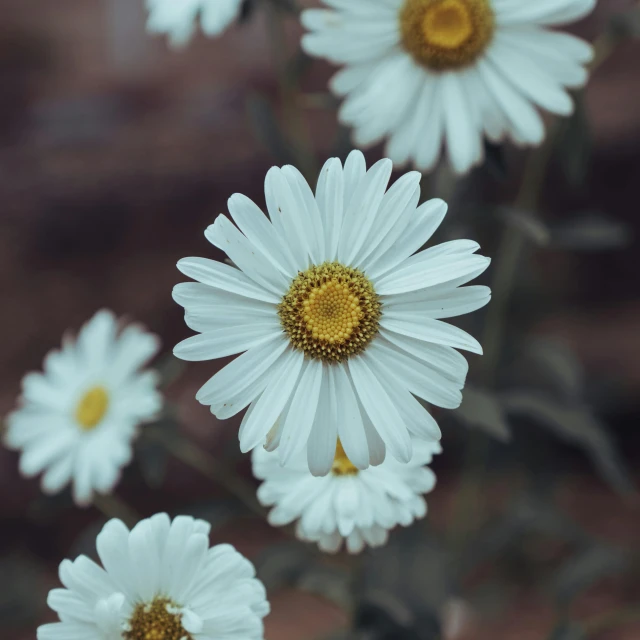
78, 418
158, 581
337, 315
178, 18
428, 73
357, 507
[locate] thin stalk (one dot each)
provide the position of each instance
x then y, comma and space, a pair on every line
298, 134
113, 507
212, 468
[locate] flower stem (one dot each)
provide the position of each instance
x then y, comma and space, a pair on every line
298, 134
113, 507
212, 468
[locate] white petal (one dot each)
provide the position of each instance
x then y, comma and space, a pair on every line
223, 277
301, 414
430, 330
227, 341
228, 238
273, 399
330, 198
380, 409
321, 447
350, 427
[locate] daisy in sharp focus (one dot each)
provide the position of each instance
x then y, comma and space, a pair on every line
347, 505
431, 73
77, 420
338, 319
160, 581
179, 18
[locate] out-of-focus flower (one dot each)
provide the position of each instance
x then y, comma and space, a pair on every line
359, 507
423, 73
79, 417
337, 314
178, 18
160, 581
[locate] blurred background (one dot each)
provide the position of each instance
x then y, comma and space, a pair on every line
116, 152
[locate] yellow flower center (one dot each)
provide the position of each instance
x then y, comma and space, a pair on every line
342, 466
92, 407
446, 34
331, 312
157, 620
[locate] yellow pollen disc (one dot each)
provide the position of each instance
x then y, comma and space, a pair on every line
330, 312
342, 466
92, 407
446, 34
155, 621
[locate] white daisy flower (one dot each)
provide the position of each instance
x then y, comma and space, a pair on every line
160, 581
358, 507
178, 18
423, 73
338, 316
77, 420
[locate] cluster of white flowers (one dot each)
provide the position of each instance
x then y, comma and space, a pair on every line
332, 305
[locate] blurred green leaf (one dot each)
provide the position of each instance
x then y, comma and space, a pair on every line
586, 568
575, 424
626, 24
403, 587
151, 455
528, 224
526, 514
481, 408
329, 582
288, 6
297, 66
591, 232
22, 592
556, 366
282, 565
574, 144
169, 369
495, 161
246, 11
268, 130
568, 631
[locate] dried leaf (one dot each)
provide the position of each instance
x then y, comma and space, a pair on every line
481, 408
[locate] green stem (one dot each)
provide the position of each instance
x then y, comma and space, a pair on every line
607, 621
211, 468
297, 132
113, 507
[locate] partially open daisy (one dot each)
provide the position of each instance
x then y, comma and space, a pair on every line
160, 581
178, 18
338, 316
79, 417
347, 505
423, 73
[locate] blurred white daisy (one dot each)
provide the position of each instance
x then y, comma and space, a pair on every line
178, 18
77, 420
338, 316
358, 507
428, 73
160, 581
